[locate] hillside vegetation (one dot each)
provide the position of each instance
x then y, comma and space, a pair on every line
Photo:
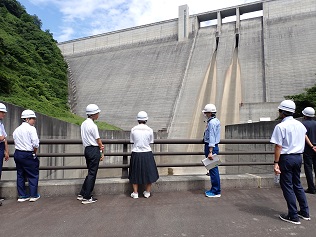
303, 100
33, 73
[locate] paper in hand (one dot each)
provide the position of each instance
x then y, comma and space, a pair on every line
210, 164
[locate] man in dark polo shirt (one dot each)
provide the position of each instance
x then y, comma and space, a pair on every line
309, 154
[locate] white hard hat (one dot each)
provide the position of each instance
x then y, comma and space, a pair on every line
92, 109
3, 108
28, 114
287, 105
309, 112
209, 108
142, 116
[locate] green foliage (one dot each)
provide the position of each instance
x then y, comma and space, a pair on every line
14, 7
306, 99
33, 73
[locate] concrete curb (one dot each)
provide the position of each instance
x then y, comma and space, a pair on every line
71, 187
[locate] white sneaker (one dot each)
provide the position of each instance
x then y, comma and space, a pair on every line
80, 197
134, 195
34, 199
89, 201
23, 199
146, 194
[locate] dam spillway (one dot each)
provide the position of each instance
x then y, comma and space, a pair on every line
171, 69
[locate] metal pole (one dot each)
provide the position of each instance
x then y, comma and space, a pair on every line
125, 161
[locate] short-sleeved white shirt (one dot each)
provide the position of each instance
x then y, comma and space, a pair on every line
89, 133
141, 136
2, 130
25, 137
290, 134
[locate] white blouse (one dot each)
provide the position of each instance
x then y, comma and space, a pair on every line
141, 136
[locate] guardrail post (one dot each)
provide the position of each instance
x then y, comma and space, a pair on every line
125, 162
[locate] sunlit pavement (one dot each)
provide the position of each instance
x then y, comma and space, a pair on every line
251, 212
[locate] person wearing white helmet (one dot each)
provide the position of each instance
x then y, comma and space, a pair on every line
4, 148
26, 144
93, 152
143, 169
289, 139
211, 139
309, 155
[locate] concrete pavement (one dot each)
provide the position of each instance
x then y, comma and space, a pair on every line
239, 212
68, 187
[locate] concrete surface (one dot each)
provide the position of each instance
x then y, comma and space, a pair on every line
239, 212
71, 187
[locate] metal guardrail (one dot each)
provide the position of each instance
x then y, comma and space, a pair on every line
125, 142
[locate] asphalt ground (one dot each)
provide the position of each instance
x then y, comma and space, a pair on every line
239, 212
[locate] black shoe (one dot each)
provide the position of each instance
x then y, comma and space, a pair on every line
2, 199
310, 191
287, 218
303, 216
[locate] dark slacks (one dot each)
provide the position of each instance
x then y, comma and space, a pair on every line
1, 156
309, 165
92, 155
290, 167
27, 166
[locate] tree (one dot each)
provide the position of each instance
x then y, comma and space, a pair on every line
303, 100
37, 21
13, 6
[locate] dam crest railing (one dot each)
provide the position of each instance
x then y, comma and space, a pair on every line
125, 153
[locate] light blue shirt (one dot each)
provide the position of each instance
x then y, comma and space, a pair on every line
212, 134
290, 134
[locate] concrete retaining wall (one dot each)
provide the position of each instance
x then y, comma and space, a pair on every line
49, 128
257, 130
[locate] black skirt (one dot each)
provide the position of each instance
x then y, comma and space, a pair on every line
143, 169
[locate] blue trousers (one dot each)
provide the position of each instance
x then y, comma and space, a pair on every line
290, 167
309, 165
92, 155
214, 173
1, 156
27, 166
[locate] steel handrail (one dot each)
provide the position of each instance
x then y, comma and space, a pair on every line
125, 154
156, 141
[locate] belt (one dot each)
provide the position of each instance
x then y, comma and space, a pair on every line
291, 154
23, 151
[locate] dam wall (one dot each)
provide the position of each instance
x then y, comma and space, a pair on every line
123, 82
121, 37
171, 69
289, 47
233, 64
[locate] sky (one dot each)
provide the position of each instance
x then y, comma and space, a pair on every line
73, 19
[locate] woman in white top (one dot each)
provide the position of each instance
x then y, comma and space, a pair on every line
143, 169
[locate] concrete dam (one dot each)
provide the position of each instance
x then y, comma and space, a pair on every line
171, 69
